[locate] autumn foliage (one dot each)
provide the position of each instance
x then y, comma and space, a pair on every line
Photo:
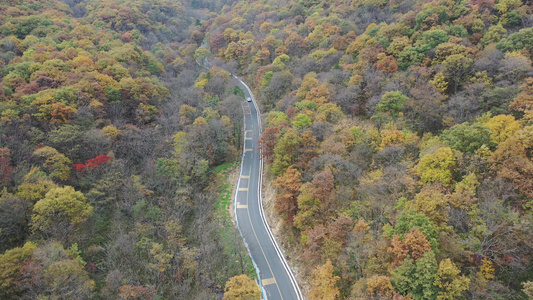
79, 80
92, 163
410, 120
398, 136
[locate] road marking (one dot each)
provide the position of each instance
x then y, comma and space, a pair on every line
263, 251
243, 189
248, 138
246, 150
242, 205
259, 243
245, 176
268, 281
248, 130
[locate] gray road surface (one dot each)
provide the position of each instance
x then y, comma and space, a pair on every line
276, 278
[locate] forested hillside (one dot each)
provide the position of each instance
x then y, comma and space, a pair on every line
399, 137
108, 153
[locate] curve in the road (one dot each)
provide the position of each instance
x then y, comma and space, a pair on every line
275, 276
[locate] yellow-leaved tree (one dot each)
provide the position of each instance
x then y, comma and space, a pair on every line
241, 287
55, 162
60, 211
448, 280
323, 283
437, 166
502, 127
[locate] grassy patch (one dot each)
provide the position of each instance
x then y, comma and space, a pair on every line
225, 197
233, 245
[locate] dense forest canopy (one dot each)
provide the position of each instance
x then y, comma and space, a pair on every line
399, 139
110, 154
398, 136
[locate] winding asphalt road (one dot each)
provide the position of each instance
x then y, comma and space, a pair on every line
275, 276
